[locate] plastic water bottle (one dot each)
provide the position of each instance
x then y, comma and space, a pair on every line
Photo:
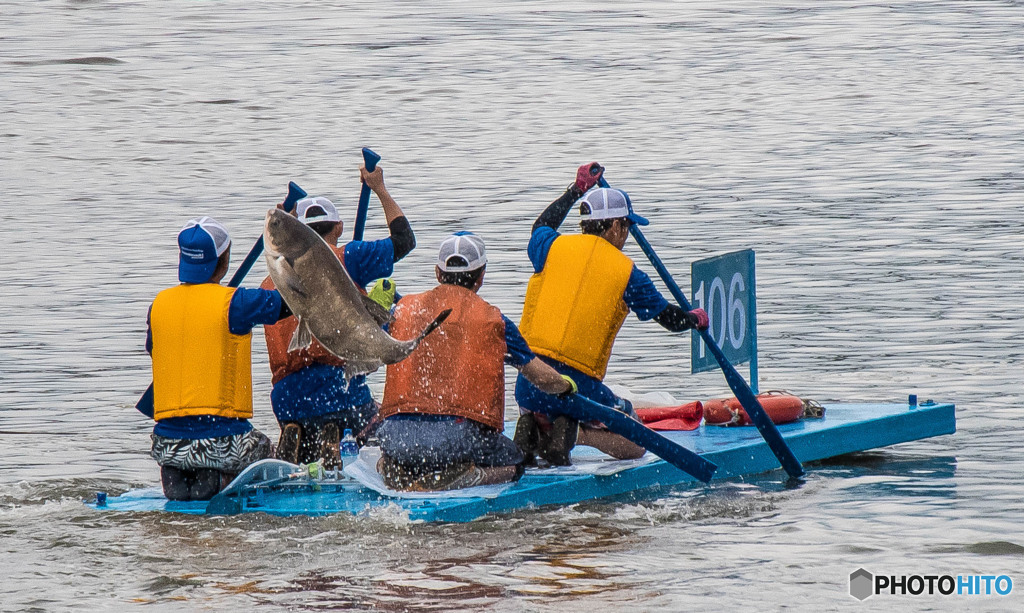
349, 448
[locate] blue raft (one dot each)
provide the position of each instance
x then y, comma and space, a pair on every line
737, 451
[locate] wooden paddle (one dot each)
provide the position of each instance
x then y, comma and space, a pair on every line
295, 193
738, 384
370, 160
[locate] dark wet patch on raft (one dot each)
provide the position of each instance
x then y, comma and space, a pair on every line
88, 61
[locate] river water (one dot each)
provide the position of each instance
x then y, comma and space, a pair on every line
871, 154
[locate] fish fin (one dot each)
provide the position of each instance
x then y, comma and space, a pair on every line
302, 338
376, 311
354, 369
295, 285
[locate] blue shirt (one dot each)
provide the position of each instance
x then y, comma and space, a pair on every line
367, 261
517, 350
641, 296
319, 389
248, 308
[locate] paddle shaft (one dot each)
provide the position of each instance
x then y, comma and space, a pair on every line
295, 193
370, 160
584, 409
736, 382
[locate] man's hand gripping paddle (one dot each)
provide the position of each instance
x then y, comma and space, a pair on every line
295, 193
370, 160
738, 384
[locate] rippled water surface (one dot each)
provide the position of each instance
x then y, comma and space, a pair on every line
871, 154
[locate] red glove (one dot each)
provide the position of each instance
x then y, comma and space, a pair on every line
588, 175
698, 319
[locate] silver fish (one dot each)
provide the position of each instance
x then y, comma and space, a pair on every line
319, 291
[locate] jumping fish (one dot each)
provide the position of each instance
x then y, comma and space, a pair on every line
329, 308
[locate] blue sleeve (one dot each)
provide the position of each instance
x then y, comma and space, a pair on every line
642, 297
540, 245
367, 261
517, 352
251, 307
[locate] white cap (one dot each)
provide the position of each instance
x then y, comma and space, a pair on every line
323, 210
216, 230
608, 203
461, 252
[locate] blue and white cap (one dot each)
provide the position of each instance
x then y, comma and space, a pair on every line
461, 252
200, 243
608, 203
316, 209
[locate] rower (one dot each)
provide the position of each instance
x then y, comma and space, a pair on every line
578, 298
311, 399
444, 405
199, 336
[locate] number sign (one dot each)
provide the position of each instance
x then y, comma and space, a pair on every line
724, 287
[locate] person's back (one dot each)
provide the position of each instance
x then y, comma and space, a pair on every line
574, 307
444, 405
199, 366
460, 372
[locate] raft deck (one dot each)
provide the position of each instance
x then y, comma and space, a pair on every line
737, 451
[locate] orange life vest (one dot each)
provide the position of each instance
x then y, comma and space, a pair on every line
279, 335
459, 369
199, 366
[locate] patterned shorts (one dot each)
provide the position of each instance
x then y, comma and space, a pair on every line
229, 454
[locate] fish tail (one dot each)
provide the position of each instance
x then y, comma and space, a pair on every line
443, 315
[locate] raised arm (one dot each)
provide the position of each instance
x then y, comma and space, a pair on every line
587, 177
402, 237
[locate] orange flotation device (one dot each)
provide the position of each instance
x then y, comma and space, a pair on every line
781, 407
682, 417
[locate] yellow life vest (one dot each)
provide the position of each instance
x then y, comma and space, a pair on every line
574, 306
199, 366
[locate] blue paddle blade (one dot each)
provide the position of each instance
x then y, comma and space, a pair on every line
370, 160
584, 409
295, 193
145, 403
229, 504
